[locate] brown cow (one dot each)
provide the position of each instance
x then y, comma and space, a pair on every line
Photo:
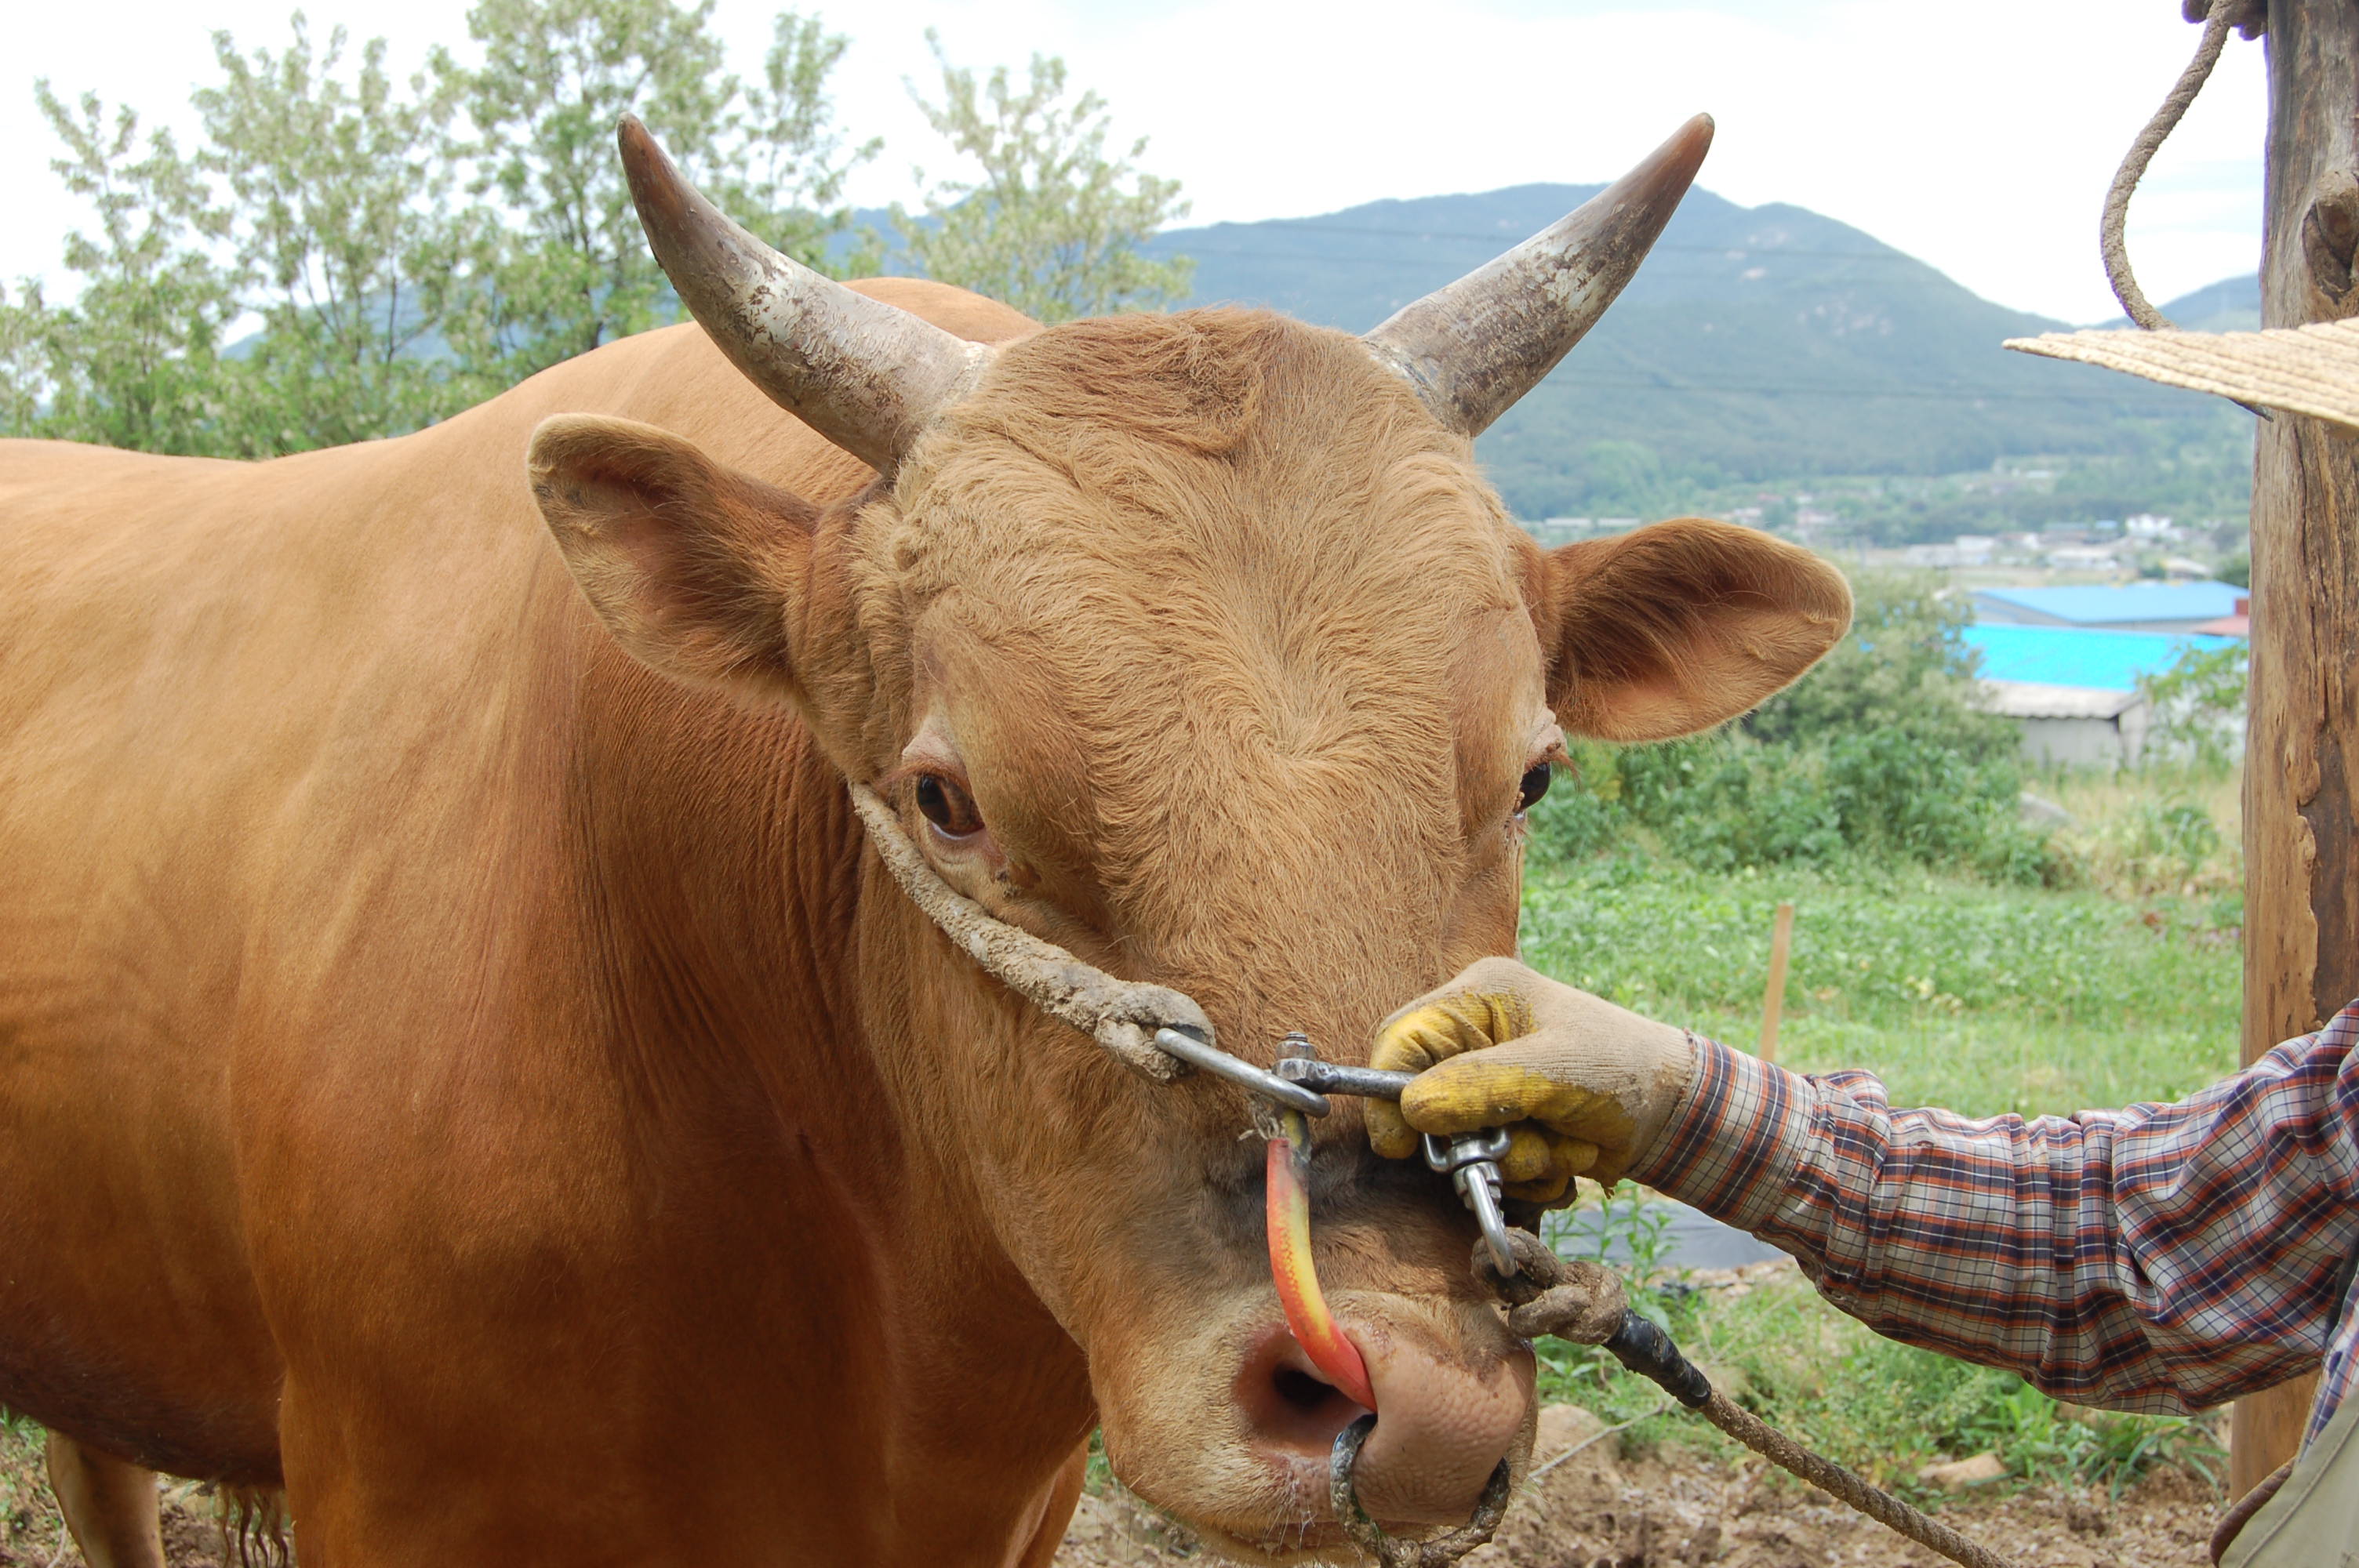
459, 1060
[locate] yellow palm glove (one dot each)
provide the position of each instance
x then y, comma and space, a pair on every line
1584, 1086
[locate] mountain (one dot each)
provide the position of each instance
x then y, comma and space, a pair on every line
2231, 305
1756, 343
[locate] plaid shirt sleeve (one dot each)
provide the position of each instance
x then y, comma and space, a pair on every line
2160, 1257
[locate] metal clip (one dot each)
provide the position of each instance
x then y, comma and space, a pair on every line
1471, 1162
1470, 1159
1185, 1044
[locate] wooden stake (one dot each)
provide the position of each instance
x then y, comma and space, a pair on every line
1773, 1002
2301, 887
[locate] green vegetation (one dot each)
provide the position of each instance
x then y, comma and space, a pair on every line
409, 249
30, 1528
1882, 1407
1877, 757
1979, 962
1968, 960
134, 362
343, 239
571, 269
1984, 999
2199, 706
1052, 226
2201, 474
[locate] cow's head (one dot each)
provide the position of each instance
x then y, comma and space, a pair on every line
1197, 645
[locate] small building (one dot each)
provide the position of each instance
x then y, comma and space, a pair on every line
2125, 607
1968, 550
2072, 691
2082, 557
2073, 725
2238, 623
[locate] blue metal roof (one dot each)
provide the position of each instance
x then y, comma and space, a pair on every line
2102, 604
2075, 656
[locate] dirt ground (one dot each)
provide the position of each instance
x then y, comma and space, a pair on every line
1673, 1509
33, 1536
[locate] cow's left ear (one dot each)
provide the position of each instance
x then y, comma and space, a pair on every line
1679, 626
699, 572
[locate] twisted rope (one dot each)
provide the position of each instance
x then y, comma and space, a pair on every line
1120, 1015
1843, 1485
1585, 1303
2247, 17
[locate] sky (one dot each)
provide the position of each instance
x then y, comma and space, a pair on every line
1980, 139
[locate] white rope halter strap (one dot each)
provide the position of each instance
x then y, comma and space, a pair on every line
1153, 1029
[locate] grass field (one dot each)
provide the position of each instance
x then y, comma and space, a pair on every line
1982, 999
2124, 983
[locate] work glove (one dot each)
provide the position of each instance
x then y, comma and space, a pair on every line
1582, 1087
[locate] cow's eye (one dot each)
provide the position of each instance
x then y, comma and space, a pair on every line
1535, 785
947, 806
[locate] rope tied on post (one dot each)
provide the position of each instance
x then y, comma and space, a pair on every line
2248, 17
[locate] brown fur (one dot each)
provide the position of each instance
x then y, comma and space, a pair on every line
477, 1076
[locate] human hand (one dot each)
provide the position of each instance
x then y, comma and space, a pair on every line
1582, 1087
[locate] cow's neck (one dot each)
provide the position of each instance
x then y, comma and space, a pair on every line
753, 949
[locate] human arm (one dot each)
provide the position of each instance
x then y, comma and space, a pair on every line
2160, 1256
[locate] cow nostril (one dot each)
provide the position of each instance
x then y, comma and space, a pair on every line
1302, 1391
1290, 1409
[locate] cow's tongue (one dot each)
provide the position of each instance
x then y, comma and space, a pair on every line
1289, 1221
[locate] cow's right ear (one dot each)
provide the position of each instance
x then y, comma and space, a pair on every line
697, 571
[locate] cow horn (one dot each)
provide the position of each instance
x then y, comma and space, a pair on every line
865, 374
1473, 347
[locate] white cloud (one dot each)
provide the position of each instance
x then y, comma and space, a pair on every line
1979, 141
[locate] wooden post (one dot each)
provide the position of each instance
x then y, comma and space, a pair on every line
2301, 887
1773, 1002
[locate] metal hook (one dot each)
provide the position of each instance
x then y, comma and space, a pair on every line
1472, 1163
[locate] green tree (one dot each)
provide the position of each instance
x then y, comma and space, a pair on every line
788, 182
23, 377
1052, 225
572, 270
134, 361
2198, 707
341, 196
1879, 754
1904, 666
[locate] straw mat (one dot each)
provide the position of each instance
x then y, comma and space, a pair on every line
2309, 370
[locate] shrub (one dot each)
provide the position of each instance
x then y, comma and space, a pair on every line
1877, 754
1905, 666
2199, 708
